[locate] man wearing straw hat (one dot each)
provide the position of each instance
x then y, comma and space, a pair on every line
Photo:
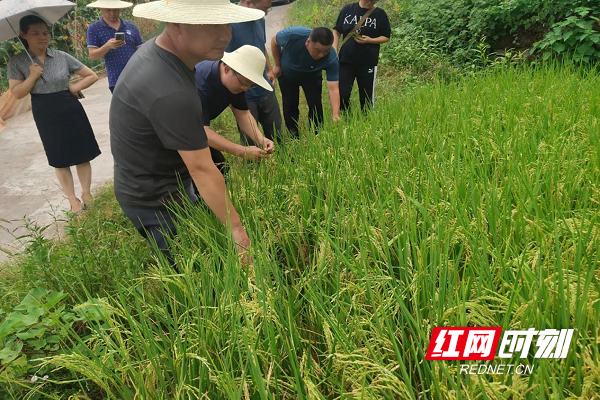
112, 38
223, 84
157, 136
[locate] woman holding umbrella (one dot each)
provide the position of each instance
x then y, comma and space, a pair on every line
62, 123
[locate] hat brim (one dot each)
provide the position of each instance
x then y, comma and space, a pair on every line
242, 68
196, 14
110, 4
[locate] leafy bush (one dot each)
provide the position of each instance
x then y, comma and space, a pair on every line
575, 37
460, 26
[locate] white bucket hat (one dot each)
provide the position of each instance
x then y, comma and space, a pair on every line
196, 12
110, 4
249, 62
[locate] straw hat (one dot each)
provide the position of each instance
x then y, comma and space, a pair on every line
196, 12
250, 62
110, 4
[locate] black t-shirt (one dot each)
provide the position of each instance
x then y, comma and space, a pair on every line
214, 95
376, 25
155, 111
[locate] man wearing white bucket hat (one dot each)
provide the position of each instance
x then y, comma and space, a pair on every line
112, 38
223, 84
157, 136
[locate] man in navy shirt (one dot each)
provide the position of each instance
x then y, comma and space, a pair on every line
299, 56
102, 42
262, 103
223, 84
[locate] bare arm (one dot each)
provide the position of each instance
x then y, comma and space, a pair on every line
89, 78
370, 40
334, 98
336, 40
97, 53
218, 142
211, 185
21, 88
248, 125
276, 52
270, 75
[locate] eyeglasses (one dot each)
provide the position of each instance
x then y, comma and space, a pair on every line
246, 86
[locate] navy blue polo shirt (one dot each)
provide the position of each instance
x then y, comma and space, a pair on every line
115, 60
296, 60
253, 34
214, 95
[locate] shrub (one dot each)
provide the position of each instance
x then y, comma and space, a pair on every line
575, 38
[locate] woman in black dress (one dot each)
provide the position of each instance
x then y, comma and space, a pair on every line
61, 121
360, 54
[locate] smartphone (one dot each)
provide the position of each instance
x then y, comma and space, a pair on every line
120, 36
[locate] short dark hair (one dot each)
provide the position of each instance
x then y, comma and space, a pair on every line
322, 35
26, 22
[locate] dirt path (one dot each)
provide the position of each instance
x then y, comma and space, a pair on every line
28, 186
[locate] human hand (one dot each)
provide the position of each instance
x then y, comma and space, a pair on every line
271, 77
253, 153
242, 244
75, 92
36, 71
363, 39
276, 71
335, 118
267, 145
113, 44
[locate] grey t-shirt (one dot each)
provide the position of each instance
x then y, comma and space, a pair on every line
155, 111
58, 67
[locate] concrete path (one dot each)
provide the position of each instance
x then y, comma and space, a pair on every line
28, 186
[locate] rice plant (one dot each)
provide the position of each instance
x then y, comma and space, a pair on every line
466, 203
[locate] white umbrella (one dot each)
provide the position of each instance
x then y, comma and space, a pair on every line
11, 12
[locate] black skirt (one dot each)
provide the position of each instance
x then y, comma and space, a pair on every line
64, 128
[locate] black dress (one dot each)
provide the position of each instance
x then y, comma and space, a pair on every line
64, 128
61, 121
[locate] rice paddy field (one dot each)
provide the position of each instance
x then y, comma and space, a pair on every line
472, 202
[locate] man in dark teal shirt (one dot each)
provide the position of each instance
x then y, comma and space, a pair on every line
299, 56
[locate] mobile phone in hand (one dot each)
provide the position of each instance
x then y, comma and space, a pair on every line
120, 36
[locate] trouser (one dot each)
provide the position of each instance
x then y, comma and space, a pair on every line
158, 225
290, 94
155, 226
266, 112
220, 161
365, 75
